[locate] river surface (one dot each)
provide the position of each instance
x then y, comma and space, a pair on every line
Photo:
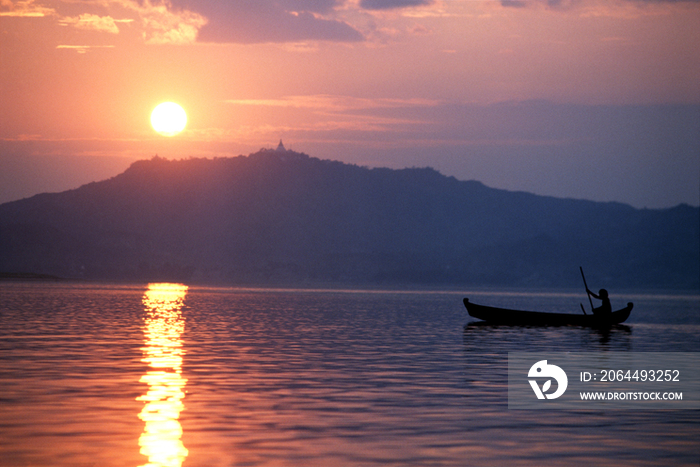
170, 375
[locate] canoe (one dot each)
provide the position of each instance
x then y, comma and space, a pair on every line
536, 318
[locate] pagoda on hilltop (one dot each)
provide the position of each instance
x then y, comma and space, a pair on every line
283, 154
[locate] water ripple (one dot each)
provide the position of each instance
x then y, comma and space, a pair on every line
313, 378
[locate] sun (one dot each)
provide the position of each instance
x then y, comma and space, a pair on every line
168, 119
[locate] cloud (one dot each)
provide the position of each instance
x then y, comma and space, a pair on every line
259, 21
211, 21
81, 49
333, 117
553, 4
333, 103
25, 8
166, 28
514, 3
390, 4
92, 22
568, 4
164, 23
623, 9
316, 6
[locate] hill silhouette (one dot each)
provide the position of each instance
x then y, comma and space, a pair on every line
277, 217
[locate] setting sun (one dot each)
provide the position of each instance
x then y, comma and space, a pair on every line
168, 119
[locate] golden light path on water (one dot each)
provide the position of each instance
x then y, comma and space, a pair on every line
161, 438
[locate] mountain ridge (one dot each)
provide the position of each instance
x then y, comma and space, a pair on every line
284, 217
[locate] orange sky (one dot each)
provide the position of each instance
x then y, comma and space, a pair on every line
472, 88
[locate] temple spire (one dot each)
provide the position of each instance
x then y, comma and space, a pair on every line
280, 147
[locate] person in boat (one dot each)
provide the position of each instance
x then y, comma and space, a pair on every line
606, 307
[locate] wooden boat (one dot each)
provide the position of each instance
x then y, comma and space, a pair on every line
505, 316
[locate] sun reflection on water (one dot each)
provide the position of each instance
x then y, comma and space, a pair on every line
161, 438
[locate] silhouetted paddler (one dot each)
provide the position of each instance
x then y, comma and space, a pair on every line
606, 307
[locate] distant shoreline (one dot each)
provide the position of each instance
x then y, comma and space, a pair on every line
29, 276
349, 287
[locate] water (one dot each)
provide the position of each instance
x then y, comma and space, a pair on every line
114, 375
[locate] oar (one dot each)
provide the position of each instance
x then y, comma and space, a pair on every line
586, 285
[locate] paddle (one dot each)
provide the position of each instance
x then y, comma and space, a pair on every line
585, 285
